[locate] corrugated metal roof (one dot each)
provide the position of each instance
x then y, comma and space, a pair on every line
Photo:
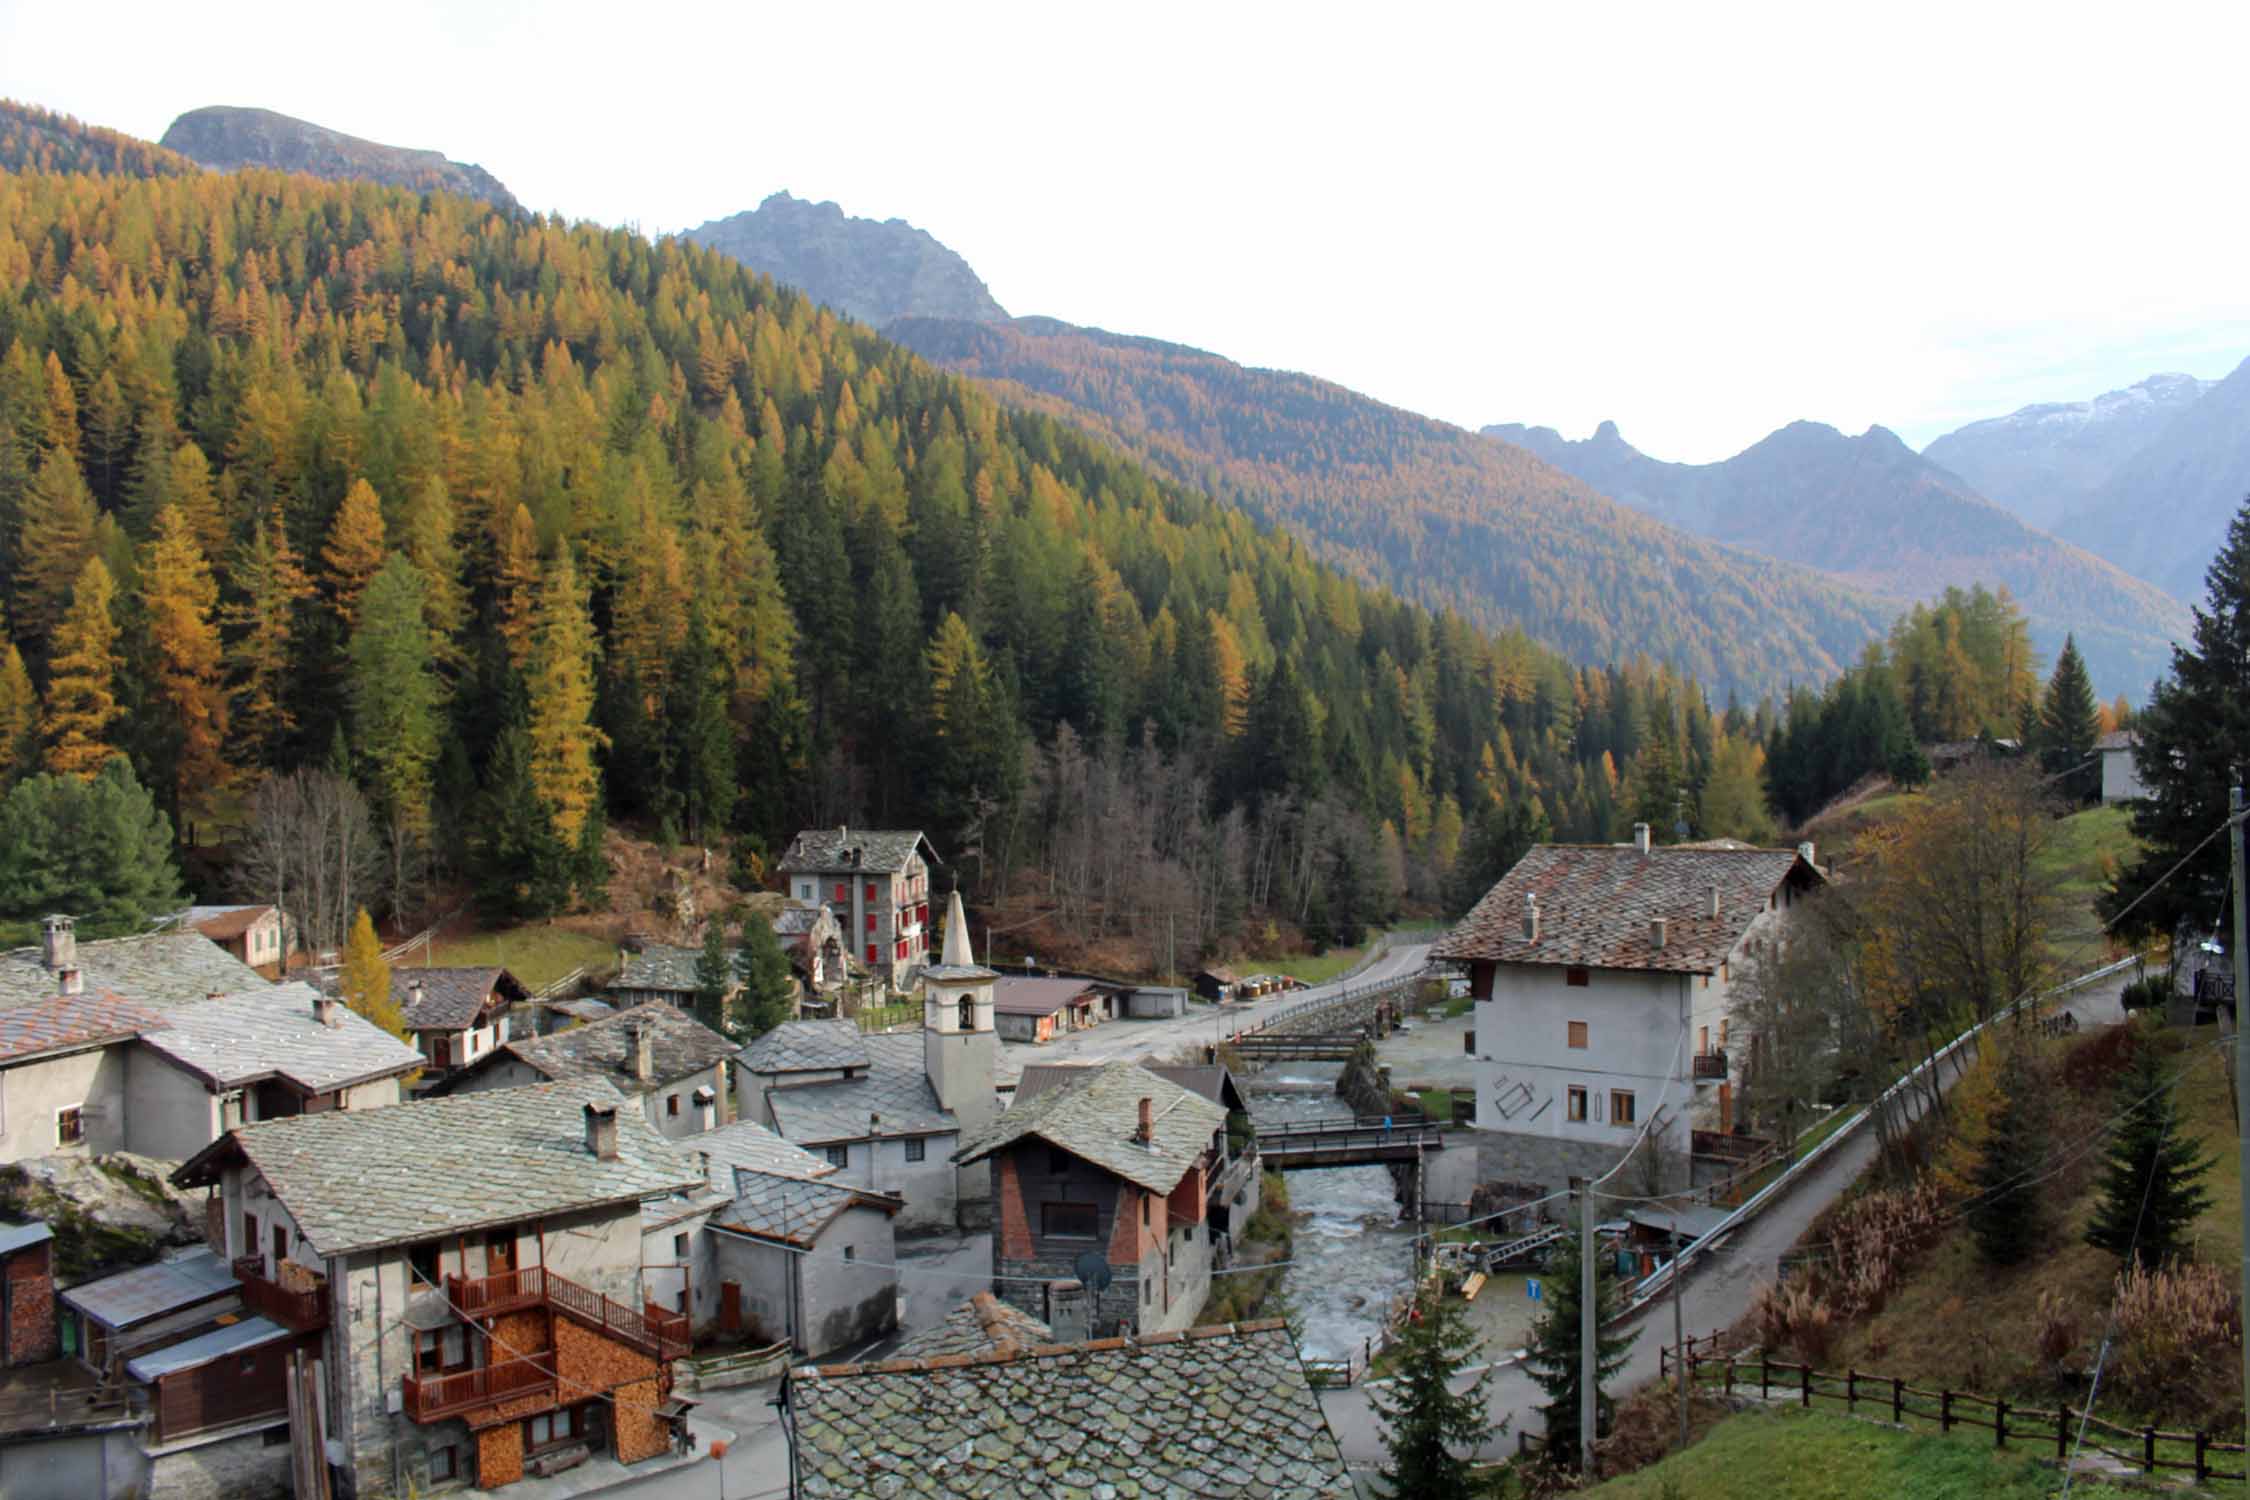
206, 1347
14, 1237
146, 1292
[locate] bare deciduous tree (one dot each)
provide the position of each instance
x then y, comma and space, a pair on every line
312, 850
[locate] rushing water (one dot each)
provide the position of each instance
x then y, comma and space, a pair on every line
1352, 1257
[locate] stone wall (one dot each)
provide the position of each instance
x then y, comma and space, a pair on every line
239, 1468
1473, 1157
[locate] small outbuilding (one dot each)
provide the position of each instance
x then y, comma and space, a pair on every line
1040, 1009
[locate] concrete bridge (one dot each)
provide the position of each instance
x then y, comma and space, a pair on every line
1349, 1141
1304, 1047
1369, 1009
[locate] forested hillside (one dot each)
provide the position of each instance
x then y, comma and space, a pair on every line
1446, 517
524, 526
226, 139
39, 140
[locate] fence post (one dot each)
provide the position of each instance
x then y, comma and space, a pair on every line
2062, 1432
1730, 1377
2000, 1422
1945, 1411
1898, 1402
1765, 1377
2148, 1449
2202, 1463
1851, 1390
1804, 1384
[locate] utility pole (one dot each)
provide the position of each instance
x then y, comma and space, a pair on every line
1679, 1335
2235, 836
1589, 1332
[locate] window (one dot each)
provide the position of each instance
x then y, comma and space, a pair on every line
1144, 1210
871, 953
1576, 977
804, 890
851, 1253
1703, 1041
841, 894
437, 1350
422, 1264
70, 1126
916, 1149
672, 1105
679, 1247
442, 1464
871, 921
839, 1156
1059, 1162
870, 890
968, 1014
1620, 1106
249, 1234
1069, 1221
1578, 1035
549, 1428
1722, 1035
1577, 1105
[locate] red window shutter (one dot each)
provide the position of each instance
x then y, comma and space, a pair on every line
840, 896
871, 921
871, 953
871, 890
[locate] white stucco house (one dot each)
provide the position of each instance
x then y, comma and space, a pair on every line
1602, 976
2121, 778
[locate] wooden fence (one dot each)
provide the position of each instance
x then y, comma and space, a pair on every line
2149, 1449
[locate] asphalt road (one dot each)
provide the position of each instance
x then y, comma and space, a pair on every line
1717, 1291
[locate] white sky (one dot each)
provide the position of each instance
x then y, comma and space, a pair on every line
1700, 221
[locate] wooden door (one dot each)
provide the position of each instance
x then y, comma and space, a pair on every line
500, 1252
730, 1307
1726, 1108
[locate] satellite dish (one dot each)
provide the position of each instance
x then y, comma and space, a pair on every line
1092, 1270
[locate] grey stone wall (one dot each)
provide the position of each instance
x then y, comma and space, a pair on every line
1021, 1282
1504, 1156
238, 1468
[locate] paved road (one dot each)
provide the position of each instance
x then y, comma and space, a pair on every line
1202, 1024
1715, 1295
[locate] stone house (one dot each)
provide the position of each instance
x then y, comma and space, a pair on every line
678, 1069
457, 1015
156, 969
261, 936
677, 1258
809, 1261
876, 883
1214, 1411
469, 1271
1234, 1180
1109, 1174
1602, 977
661, 973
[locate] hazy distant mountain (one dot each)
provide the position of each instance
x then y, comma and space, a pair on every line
2044, 462
1437, 514
2164, 512
876, 271
1872, 512
227, 139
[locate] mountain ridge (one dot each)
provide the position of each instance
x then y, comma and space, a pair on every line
226, 138
877, 271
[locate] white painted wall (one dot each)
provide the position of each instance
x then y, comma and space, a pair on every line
2121, 782
170, 1113
33, 1093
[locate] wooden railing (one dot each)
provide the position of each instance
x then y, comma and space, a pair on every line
431, 1397
1710, 1065
652, 1330
2149, 1449
300, 1312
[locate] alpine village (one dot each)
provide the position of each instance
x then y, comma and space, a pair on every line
697, 864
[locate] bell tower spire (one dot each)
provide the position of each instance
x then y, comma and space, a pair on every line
961, 1050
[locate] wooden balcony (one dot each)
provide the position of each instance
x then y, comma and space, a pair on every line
299, 1312
652, 1330
430, 1398
490, 1296
1710, 1066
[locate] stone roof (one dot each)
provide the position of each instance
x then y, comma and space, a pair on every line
1212, 1081
981, 1325
679, 1046
747, 1144
220, 923
451, 998
1221, 1411
894, 1086
796, 919
66, 1022
660, 966
808, 1047
793, 1210
1012, 996
1597, 904
160, 969
275, 1032
1095, 1119
359, 1179
822, 851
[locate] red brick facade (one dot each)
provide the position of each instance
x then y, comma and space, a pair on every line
31, 1306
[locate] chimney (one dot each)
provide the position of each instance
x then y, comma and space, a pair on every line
1640, 837
69, 981
1531, 919
1146, 1132
59, 946
1658, 928
324, 1011
706, 1107
213, 994
601, 1131
644, 1052
1714, 902
414, 992
1805, 853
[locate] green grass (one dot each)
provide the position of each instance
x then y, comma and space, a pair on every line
1438, 1105
538, 954
1299, 966
883, 1017
1794, 1455
2081, 857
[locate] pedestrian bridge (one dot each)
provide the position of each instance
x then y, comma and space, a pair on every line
1349, 1141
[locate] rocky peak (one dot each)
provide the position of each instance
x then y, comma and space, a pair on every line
229, 139
877, 271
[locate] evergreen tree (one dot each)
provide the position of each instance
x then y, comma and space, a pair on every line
2150, 1189
2007, 1215
365, 984
702, 734
767, 987
98, 847
354, 551
2069, 723
426, 536
394, 696
271, 585
520, 870
55, 537
1431, 1429
2194, 745
715, 978
1556, 1345
82, 685
177, 599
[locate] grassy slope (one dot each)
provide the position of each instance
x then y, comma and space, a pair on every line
538, 954
1791, 1455
2081, 861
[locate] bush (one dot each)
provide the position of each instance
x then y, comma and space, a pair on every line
2178, 1341
2151, 993
1797, 1318
2091, 1065
2055, 1333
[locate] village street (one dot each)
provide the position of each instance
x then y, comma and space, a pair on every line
1716, 1293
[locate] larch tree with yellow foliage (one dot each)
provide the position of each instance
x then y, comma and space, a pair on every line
271, 585
19, 716
82, 681
366, 980
516, 583
177, 598
354, 551
561, 688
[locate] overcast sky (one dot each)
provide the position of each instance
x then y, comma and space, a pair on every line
1700, 221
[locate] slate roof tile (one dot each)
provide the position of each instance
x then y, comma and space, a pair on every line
828, 850
660, 966
679, 1046
894, 1086
450, 998
981, 1325
262, 1033
1095, 1118
66, 1021
159, 969
1597, 904
808, 1047
793, 1210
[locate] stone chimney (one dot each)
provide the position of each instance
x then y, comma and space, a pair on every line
1145, 1132
1805, 853
601, 1131
1658, 930
69, 981
59, 943
1530, 918
706, 1107
413, 992
644, 1052
1640, 838
1714, 902
324, 1011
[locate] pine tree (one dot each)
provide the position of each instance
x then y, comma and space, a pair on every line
702, 749
394, 696
1431, 1428
82, 678
516, 585
354, 551
56, 537
19, 716
520, 870
2150, 1191
271, 585
177, 599
99, 847
2007, 1213
1556, 1345
2069, 723
767, 987
715, 978
426, 536
365, 983
560, 683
